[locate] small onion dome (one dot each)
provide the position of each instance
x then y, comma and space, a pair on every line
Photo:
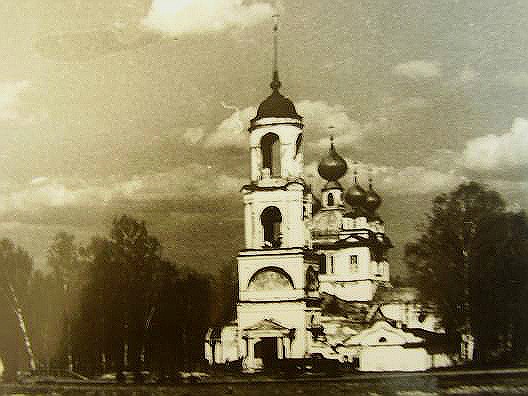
372, 199
276, 105
332, 166
355, 195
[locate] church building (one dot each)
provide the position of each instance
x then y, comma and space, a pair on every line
313, 277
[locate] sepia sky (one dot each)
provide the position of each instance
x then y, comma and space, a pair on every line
142, 107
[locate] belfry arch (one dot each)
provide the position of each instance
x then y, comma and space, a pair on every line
271, 154
271, 219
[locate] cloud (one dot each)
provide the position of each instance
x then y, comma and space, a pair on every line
175, 17
410, 180
319, 116
190, 181
232, 132
499, 152
418, 69
9, 93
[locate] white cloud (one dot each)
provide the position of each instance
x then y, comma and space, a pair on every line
9, 93
232, 132
499, 152
411, 180
176, 17
190, 181
418, 69
319, 116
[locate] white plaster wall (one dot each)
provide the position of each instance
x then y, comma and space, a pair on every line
356, 291
229, 344
208, 353
342, 268
393, 358
441, 360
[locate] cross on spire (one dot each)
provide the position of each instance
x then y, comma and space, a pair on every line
275, 82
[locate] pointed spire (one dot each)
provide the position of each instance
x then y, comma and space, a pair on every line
372, 200
355, 172
275, 82
330, 129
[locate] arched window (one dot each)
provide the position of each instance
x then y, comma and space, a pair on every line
298, 144
330, 199
271, 219
270, 278
270, 146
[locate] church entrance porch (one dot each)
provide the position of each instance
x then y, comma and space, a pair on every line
266, 343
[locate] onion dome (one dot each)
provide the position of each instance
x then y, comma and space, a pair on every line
276, 105
355, 195
332, 166
372, 199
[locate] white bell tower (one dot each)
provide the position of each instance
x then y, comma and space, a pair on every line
278, 303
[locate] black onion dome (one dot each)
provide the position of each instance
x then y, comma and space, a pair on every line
372, 199
332, 166
277, 105
355, 195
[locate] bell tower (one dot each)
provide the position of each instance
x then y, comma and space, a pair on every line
278, 301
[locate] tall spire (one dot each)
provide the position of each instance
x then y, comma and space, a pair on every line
355, 172
275, 82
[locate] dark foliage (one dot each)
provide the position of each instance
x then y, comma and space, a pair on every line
471, 262
137, 311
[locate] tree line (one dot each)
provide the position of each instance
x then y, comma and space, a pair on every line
113, 305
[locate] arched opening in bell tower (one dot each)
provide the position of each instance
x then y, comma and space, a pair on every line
330, 199
271, 219
271, 159
298, 145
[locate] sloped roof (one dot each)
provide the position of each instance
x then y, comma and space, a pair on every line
266, 324
388, 295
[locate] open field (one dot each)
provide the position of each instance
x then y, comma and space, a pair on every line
483, 382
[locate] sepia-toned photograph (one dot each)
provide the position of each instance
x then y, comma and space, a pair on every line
263, 197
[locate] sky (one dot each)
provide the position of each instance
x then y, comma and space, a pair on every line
141, 107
